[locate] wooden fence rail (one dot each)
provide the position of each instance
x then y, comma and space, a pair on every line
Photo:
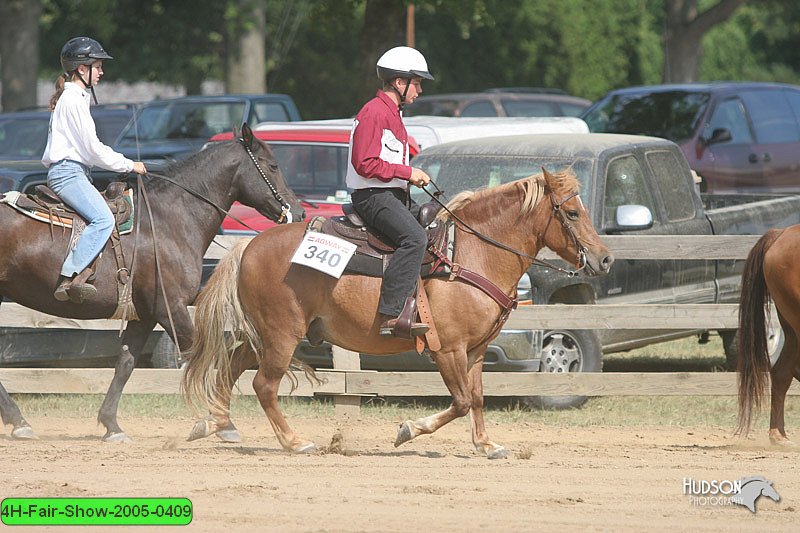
347, 383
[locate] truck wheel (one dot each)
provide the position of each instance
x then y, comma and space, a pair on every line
567, 351
730, 343
165, 354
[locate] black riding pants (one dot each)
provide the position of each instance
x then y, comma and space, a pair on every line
385, 211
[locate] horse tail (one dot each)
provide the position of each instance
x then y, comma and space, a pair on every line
217, 306
753, 353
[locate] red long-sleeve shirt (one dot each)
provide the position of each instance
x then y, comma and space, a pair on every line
378, 146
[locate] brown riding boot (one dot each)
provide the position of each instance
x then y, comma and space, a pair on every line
389, 329
76, 289
404, 325
61, 291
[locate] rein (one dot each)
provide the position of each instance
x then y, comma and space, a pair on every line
582, 250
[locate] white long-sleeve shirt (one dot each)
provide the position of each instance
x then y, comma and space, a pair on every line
73, 135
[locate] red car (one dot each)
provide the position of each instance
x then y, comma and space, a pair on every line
313, 159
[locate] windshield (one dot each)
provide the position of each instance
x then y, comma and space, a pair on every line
456, 173
23, 138
184, 120
673, 115
316, 171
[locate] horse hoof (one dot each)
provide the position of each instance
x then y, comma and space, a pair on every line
226, 435
117, 438
307, 448
783, 443
498, 452
200, 430
23, 433
404, 434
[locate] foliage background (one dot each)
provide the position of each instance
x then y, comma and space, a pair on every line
585, 47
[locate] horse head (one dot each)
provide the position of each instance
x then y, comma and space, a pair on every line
574, 238
272, 197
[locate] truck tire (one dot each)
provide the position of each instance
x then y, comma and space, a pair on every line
730, 343
567, 351
165, 354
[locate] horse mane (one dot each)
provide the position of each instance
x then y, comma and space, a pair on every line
533, 187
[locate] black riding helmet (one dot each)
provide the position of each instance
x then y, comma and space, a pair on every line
82, 51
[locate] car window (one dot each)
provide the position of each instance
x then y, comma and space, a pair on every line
773, 119
315, 171
481, 108
730, 115
571, 110
671, 181
457, 173
674, 115
530, 108
441, 108
793, 97
109, 126
23, 138
625, 185
185, 120
268, 111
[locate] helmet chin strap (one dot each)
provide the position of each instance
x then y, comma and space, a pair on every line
402, 95
88, 85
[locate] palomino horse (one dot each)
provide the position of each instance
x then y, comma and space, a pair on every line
770, 273
186, 209
273, 304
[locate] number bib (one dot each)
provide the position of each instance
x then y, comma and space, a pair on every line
325, 253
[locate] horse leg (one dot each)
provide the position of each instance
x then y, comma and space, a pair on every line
480, 439
453, 369
133, 340
10, 414
266, 384
219, 422
781, 378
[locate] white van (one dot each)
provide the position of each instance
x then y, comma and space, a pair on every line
431, 130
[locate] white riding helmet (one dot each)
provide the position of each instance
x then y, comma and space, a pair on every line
402, 62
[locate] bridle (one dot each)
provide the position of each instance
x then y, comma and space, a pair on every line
286, 213
581, 258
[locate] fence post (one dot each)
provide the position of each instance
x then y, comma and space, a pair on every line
345, 405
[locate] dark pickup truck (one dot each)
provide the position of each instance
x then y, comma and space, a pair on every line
632, 185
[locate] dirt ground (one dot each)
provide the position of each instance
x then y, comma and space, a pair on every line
555, 479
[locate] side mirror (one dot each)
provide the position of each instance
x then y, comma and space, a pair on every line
631, 217
719, 135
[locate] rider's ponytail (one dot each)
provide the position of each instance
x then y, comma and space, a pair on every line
59, 89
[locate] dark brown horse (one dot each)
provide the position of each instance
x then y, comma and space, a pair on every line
272, 304
770, 273
186, 202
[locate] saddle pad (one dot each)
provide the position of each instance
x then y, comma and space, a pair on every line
368, 264
55, 218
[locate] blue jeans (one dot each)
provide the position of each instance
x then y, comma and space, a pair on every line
71, 181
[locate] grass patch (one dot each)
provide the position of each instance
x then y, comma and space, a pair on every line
630, 411
682, 355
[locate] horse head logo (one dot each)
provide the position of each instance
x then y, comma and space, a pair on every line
752, 489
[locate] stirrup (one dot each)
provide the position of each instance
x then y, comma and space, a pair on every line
388, 329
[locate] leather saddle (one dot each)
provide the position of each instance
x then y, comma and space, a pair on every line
46, 200
374, 250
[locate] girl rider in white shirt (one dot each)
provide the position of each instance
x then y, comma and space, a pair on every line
72, 149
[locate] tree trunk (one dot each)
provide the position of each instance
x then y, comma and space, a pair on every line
246, 65
684, 32
19, 52
384, 28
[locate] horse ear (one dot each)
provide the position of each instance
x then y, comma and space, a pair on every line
548, 179
237, 132
247, 135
